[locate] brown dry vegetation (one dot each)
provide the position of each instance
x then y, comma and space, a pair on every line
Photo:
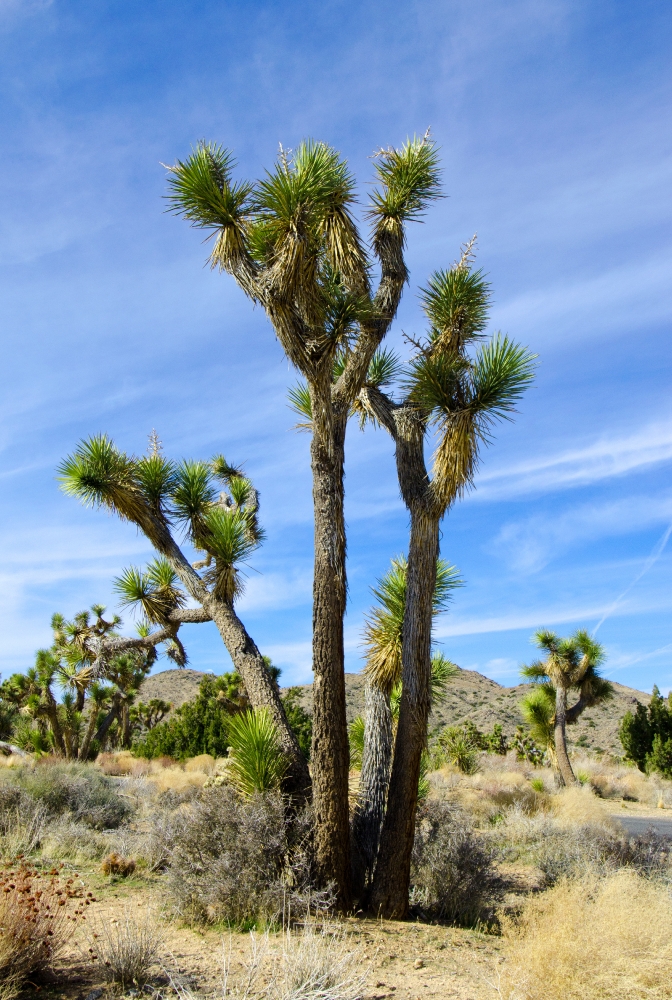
569, 906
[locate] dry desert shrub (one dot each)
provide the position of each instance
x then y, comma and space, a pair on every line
453, 876
117, 865
37, 913
127, 948
242, 861
70, 788
591, 939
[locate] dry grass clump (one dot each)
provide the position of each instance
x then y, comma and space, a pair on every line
485, 795
242, 861
593, 939
314, 964
127, 948
117, 865
453, 874
37, 912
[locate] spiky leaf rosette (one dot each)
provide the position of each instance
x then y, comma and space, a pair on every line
384, 625
202, 190
257, 762
156, 591
99, 475
408, 181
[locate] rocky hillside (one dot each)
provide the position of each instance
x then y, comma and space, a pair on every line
470, 696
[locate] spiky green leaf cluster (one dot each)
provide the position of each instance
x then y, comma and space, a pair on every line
158, 495
384, 625
409, 179
155, 591
257, 762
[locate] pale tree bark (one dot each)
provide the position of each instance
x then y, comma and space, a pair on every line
373, 784
565, 772
392, 878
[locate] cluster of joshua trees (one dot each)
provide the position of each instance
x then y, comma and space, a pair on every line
293, 243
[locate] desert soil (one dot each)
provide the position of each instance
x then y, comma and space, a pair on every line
404, 960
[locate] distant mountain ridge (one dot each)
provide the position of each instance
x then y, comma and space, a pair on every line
470, 696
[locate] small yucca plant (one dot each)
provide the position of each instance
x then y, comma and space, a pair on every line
257, 761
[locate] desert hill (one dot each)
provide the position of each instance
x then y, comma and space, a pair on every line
470, 696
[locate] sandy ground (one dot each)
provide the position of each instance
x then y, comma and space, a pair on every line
404, 960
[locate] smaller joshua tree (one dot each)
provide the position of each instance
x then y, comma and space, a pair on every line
570, 664
160, 496
382, 693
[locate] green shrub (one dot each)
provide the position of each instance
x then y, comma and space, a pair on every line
198, 727
646, 735
459, 747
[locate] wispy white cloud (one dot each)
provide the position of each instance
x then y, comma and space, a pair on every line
529, 544
544, 616
605, 458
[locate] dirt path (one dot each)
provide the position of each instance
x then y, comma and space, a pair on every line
404, 960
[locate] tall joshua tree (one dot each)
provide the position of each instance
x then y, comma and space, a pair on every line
571, 663
383, 671
457, 391
158, 495
291, 242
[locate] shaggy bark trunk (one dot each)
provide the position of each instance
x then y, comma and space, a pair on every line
392, 878
247, 659
105, 725
330, 756
51, 711
373, 786
125, 724
564, 767
90, 730
261, 690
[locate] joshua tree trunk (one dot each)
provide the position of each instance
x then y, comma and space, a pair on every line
90, 730
373, 785
392, 878
330, 754
260, 688
247, 659
565, 772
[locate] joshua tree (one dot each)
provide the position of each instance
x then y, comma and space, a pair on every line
157, 495
458, 393
292, 244
570, 664
383, 670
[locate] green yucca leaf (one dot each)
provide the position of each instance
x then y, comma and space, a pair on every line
226, 535
501, 373
448, 579
384, 368
409, 180
456, 305
257, 762
538, 709
300, 402
443, 672
193, 493
155, 591
221, 469
383, 629
99, 475
243, 492
436, 381
156, 478
356, 732
201, 189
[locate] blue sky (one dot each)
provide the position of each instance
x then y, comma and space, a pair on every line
553, 122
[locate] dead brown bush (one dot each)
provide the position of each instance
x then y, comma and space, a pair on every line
37, 913
116, 864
